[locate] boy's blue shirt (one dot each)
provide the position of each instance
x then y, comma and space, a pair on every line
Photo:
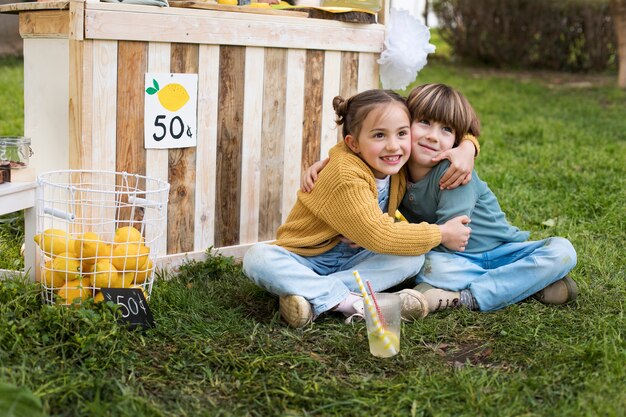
424, 201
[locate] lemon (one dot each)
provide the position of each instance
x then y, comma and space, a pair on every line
98, 298
90, 248
104, 275
127, 234
393, 338
143, 290
231, 2
54, 241
126, 280
172, 97
259, 5
127, 256
66, 267
143, 272
74, 292
49, 278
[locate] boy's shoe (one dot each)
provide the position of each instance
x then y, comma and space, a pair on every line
414, 304
437, 298
295, 310
562, 291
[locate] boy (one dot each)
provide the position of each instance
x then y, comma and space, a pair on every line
499, 266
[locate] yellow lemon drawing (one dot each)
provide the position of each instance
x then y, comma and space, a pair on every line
172, 97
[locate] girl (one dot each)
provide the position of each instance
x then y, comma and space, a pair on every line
308, 266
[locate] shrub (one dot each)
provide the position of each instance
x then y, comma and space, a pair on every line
568, 35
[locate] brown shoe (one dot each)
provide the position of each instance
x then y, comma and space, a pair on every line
295, 310
439, 299
562, 291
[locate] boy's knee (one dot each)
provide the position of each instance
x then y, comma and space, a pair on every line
566, 250
254, 258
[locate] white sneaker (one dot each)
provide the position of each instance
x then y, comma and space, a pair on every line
359, 314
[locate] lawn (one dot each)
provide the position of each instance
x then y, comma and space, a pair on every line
553, 150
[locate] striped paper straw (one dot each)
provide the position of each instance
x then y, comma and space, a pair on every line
374, 315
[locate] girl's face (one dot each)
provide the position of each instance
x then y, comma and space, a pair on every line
430, 138
384, 142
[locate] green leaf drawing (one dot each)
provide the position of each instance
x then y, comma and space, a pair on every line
151, 90
155, 84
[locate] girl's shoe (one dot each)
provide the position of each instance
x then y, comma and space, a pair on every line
414, 304
295, 310
562, 291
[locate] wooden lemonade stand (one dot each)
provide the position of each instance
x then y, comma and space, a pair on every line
265, 87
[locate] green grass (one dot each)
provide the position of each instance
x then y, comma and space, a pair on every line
549, 150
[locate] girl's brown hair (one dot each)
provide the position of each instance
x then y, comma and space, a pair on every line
352, 111
444, 104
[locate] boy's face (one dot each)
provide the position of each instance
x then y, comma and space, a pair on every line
429, 139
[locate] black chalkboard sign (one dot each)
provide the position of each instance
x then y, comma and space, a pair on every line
133, 306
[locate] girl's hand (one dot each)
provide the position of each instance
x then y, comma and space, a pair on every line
461, 165
310, 175
455, 234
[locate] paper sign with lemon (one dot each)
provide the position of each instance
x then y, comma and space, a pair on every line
170, 110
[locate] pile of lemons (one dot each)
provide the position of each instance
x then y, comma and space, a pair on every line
78, 265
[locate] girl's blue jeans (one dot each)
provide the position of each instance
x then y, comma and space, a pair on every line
327, 279
502, 276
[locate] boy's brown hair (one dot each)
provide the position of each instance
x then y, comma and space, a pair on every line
444, 104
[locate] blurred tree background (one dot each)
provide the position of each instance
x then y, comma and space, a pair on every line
560, 35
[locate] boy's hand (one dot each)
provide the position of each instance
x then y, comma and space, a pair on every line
461, 165
310, 175
455, 233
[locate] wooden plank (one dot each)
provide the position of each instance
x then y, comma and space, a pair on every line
368, 72
182, 169
172, 263
45, 24
229, 133
206, 151
130, 152
80, 84
273, 142
46, 98
157, 159
349, 79
294, 116
239, 9
332, 82
104, 105
251, 145
313, 92
226, 28
31, 6
77, 20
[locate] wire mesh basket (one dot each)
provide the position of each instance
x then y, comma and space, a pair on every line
98, 229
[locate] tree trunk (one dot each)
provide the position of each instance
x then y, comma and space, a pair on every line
618, 13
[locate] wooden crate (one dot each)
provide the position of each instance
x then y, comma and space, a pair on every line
265, 87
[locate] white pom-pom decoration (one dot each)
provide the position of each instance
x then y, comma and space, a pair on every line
406, 49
